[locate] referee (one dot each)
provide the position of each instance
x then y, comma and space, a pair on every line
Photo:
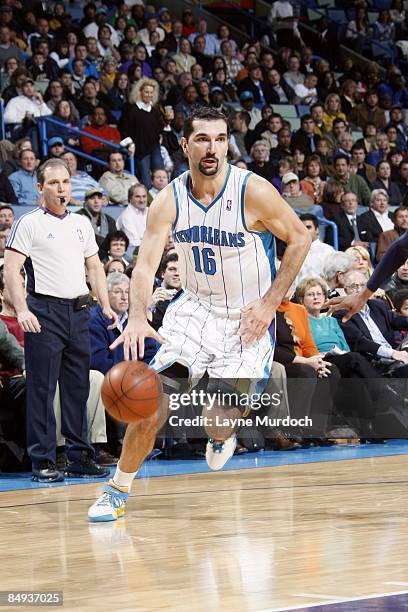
55, 247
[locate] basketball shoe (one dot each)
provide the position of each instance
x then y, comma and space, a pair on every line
218, 453
110, 505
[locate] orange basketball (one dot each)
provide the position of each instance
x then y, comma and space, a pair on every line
131, 391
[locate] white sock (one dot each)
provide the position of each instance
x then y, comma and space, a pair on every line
123, 479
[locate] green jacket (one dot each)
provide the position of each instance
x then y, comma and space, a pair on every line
357, 185
11, 353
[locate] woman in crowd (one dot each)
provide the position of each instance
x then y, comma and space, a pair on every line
348, 96
313, 185
332, 111
141, 120
66, 113
119, 94
332, 192
115, 265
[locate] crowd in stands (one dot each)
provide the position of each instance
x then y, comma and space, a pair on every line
129, 75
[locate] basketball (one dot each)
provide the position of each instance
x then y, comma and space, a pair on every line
131, 391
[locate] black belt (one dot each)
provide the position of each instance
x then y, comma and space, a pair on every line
53, 298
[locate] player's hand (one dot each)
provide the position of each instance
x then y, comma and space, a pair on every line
351, 303
28, 322
110, 314
255, 321
133, 338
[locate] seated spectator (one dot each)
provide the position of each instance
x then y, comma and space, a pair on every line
358, 157
7, 215
141, 120
313, 185
253, 83
395, 157
403, 179
56, 147
305, 138
306, 92
283, 149
184, 60
332, 111
115, 181
211, 42
371, 331
42, 66
348, 223
331, 198
397, 120
81, 181
242, 138
380, 149
152, 25
400, 302
277, 90
389, 236
368, 111
292, 193
297, 351
294, 76
133, 219
64, 114
115, 265
345, 144
24, 181
160, 179
8, 48
188, 101
384, 182
378, 219
102, 223
119, 94
286, 165
398, 281
114, 246
351, 182
318, 252
164, 293
25, 107
246, 99
260, 164
99, 127
333, 272
270, 135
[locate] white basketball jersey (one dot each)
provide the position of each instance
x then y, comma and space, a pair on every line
222, 263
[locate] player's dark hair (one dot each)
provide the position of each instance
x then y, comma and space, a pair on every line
54, 162
204, 114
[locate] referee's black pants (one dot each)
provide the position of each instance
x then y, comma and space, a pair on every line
60, 352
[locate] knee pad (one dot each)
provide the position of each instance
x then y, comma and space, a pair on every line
175, 379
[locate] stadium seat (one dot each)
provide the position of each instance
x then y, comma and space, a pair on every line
286, 110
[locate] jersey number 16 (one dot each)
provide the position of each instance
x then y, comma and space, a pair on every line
206, 263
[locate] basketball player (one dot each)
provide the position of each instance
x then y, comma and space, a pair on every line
224, 220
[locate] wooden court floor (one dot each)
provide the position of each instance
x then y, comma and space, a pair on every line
254, 539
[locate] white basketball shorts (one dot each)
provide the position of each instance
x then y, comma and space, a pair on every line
204, 341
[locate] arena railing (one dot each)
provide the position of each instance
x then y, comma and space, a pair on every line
44, 143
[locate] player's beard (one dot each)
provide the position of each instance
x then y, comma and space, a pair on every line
208, 171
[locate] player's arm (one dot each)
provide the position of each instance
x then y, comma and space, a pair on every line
97, 278
393, 258
160, 218
266, 210
13, 262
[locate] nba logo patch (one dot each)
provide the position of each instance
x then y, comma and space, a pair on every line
229, 204
80, 235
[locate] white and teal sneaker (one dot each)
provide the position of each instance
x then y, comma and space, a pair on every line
110, 505
218, 453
